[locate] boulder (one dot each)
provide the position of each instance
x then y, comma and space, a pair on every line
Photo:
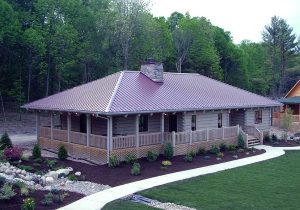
78, 173
64, 171
49, 180
8, 172
7, 164
23, 172
53, 174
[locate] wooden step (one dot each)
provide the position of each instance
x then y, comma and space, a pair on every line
253, 142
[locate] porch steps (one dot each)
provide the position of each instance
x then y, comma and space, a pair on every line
252, 141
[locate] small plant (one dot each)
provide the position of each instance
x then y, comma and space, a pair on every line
60, 197
72, 177
274, 138
163, 168
36, 152
168, 151
38, 160
192, 153
241, 141
223, 147
2, 157
48, 199
113, 161
240, 150
28, 204
152, 156
267, 138
5, 141
7, 192
188, 158
231, 147
214, 149
26, 168
136, 169
166, 163
130, 159
13, 153
51, 163
62, 152
24, 191
20, 184
220, 155
201, 151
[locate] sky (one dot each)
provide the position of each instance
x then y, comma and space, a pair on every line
244, 19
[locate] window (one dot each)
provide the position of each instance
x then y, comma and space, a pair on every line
258, 116
220, 120
193, 124
143, 123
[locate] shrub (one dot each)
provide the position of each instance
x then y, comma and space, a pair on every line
28, 204
136, 169
36, 152
13, 153
72, 177
48, 199
214, 149
201, 151
152, 156
192, 153
274, 137
166, 163
5, 141
223, 147
241, 141
188, 158
62, 152
58, 196
163, 168
51, 163
7, 192
113, 161
267, 138
24, 191
2, 157
220, 155
231, 147
168, 151
130, 159
26, 168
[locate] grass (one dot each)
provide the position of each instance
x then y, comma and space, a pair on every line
122, 205
273, 184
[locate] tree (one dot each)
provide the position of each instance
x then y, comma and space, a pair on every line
287, 120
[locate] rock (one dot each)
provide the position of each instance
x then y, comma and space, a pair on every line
8, 172
27, 178
64, 171
48, 188
78, 173
7, 164
49, 180
218, 158
69, 182
37, 186
43, 180
18, 171
23, 172
20, 161
53, 174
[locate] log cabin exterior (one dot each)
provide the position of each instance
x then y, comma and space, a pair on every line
139, 111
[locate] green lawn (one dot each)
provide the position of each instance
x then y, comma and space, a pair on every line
273, 184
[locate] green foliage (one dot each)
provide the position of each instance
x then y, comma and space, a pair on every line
231, 147
188, 158
220, 155
267, 138
136, 169
241, 141
36, 152
274, 138
24, 191
2, 156
28, 204
62, 153
152, 156
5, 141
214, 149
72, 177
223, 147
2, 180
113, 161
168, 151
201, 151
26, 168
166, 163
7, 192
48, 199
130, 159
287, 120
51, 163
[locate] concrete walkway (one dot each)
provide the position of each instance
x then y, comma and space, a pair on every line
98, 200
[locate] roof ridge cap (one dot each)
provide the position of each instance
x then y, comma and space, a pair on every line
114, 91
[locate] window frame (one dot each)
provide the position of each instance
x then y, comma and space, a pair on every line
194, 122
144, 123
258, 116
220, 120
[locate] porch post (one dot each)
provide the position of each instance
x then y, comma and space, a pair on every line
137, 144
108, 141
173, 139
69, 127
207, 134
162, 126
223, 133
37, 125
191, 137
51, 122
88, 129
110, 133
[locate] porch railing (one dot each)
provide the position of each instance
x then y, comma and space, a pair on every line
98, 141
59, 134
119, 142
149, 138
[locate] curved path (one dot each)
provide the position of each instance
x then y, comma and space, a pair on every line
98, 200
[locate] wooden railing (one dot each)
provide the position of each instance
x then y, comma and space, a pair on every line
149, 138
98, 141
245, 137
200, 135
45, 132
249, 129
215, 133
123, 141
78, 138
182, 137
230, 131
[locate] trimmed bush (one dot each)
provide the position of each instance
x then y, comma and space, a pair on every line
136, 169
201, 151
51, 163
7, 192
214, 149
36, 152
152, 156
5, 141
241, 141
28, 204
62, 152
223, 147
130, 159
13, 153
113, 161
166, 163
188, 158
168, 151
231, 147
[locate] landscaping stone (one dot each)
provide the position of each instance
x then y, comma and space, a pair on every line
52, 174
64, 171
49, 180
78, 173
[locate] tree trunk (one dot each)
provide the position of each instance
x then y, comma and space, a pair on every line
178, 65
29, 75
48, 75
126, 53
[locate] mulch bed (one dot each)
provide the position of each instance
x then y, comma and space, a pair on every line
121, 175
38, 195
283, 144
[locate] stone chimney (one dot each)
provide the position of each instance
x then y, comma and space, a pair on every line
153, 70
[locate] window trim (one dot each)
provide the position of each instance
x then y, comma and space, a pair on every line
220, 120
258, 117
144, 123
194, 121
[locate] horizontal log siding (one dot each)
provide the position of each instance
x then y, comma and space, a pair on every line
99, 126
124, 125
237, 117
266, 121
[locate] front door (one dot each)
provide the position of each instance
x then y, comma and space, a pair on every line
173, 122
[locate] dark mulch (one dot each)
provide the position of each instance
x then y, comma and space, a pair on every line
17, 201
283, 143
121, 175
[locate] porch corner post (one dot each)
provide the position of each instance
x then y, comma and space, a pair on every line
88, 129
173, 138
162, 127
223, 134
69, 127
108, 139
238, 129
51, 123
207, 134
37, 125
137, 120
191, 137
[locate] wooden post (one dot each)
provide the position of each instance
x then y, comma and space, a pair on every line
207, 134
69, 124
137, 144
162, 126
191, 137
238, 130
37, 125
88, 129
108, 141
51, 123
173, 139
110, 133
223, 130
